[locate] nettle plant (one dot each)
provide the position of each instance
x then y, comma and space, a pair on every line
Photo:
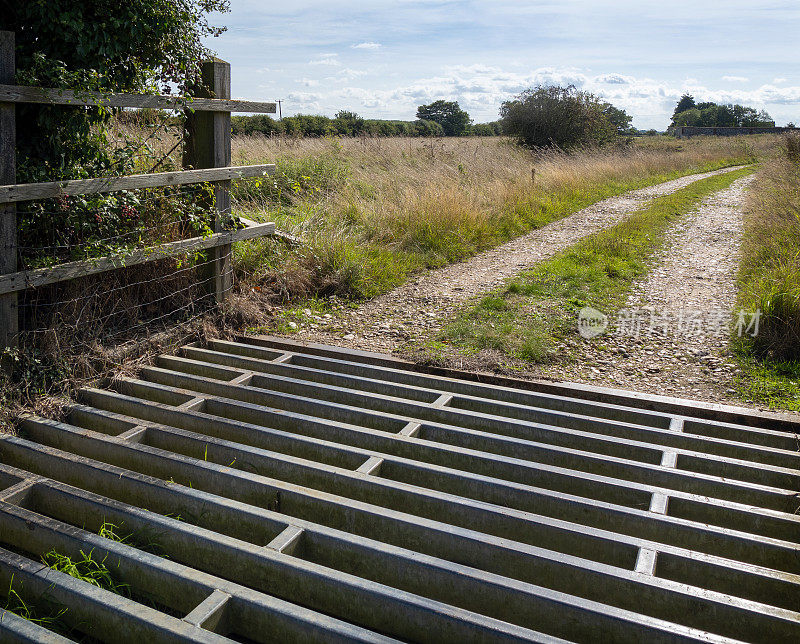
142, 46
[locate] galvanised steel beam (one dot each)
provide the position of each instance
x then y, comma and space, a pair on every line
567, 391
512, 605
300, 491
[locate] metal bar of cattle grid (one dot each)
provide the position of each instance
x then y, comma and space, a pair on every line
388, 502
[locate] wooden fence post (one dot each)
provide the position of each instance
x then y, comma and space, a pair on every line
208, 145
9, 313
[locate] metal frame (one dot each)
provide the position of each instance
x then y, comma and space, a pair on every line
392, 503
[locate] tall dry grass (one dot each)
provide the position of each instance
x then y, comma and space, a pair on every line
373, 210
770, 271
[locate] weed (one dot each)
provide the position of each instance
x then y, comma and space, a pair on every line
769, 278
52, 615
49, 617
86, 568
109, 531
145, 538
769, 281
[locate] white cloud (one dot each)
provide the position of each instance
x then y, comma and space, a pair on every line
735, 79
480, 89
609, 47
326, 59
346, 74
615, 79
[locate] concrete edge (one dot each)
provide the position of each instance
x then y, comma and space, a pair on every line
782, 421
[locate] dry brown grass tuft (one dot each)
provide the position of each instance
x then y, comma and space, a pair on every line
373, 210
46, 374
488, 166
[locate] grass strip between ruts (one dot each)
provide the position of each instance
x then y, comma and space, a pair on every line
528, 317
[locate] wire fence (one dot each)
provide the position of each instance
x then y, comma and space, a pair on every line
127, 303
78, 331
121, 253
107, 305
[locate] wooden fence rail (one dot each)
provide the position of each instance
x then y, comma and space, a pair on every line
49, 96
51, 189
207, 159
15, 282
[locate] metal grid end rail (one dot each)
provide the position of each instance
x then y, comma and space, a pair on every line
265, 490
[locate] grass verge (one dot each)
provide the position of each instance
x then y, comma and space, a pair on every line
769, 281
373, 212
769, 382
533, 314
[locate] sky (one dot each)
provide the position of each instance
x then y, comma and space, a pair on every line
382, 59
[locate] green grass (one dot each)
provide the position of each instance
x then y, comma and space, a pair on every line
45, 615
775, 383
769, 281
534, 312
85, 567
354, 254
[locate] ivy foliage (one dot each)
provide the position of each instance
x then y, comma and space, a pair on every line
135, 46
145, 46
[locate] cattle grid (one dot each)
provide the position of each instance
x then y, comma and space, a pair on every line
270, 490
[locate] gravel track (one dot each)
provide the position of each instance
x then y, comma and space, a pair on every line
422, 306
672, 338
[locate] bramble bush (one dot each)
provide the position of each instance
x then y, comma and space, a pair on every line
560, 117
143, 46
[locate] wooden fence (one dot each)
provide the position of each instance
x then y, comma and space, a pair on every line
208, 154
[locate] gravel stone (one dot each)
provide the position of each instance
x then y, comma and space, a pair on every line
695, 272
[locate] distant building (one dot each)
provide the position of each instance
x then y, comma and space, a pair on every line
688, 131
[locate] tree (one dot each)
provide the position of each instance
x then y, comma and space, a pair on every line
484, 129
725, 116
427, 128
308, 125
687, 117
258, 124
564, 117
142, 46
709, 114
765, 120
449, 115
618, 118
348, 123
686, 102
